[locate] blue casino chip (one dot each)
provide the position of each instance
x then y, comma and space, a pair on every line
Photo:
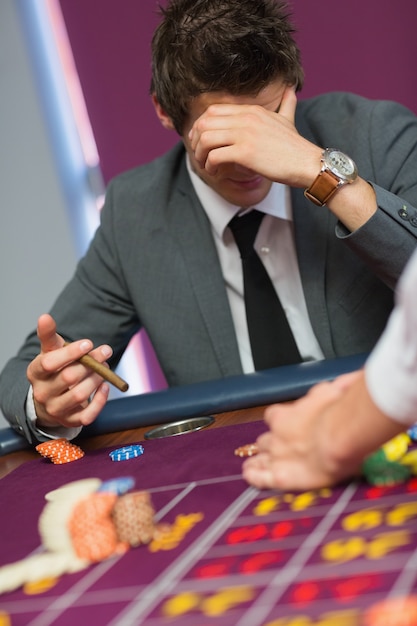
126, 453
118, 486
412, 432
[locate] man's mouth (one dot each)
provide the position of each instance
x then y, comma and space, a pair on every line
247, 183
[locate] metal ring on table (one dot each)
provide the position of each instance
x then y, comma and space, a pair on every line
179, 428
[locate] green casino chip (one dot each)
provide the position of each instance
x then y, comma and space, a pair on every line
380, 472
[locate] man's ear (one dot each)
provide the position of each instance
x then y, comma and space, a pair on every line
163, 117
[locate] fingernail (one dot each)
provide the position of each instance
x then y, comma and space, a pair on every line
85, 346
106, 351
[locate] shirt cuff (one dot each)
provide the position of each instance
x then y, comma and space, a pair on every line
49, 433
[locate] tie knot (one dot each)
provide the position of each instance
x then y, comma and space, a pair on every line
244, 229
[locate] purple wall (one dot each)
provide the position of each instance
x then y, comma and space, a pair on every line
370, 49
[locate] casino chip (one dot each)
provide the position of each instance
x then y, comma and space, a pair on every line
379, 471
401, 611
60, 451
133, 516
93, 534
118, 486
74, 489
250, 449
412, 432
396, 448
126, 453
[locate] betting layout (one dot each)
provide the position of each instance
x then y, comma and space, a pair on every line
234, 555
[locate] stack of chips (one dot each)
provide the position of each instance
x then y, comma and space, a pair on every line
249, 449
93, 533
384, 468
126, 453
60, 451
133, 517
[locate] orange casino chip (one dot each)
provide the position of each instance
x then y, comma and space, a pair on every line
250, 449
60, 451
47, 446
401, 611
93, 533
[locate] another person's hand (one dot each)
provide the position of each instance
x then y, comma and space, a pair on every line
320, 439
65, 392
293, 454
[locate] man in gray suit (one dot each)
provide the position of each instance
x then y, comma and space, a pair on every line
339, 225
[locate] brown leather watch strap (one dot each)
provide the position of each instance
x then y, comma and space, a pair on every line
323, 187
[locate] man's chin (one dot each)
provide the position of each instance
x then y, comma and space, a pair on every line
246, 195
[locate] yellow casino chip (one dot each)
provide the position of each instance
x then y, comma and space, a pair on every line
397, 447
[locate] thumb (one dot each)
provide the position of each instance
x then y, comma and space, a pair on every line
47, 334
288, 104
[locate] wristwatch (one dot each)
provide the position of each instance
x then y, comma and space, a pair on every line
337, 169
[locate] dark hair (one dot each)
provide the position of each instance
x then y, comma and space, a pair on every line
237, 46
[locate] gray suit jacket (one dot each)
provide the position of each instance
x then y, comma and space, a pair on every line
153, 262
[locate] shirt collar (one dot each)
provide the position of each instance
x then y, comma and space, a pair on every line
220, 212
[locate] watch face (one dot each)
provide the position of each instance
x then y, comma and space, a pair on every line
340, 164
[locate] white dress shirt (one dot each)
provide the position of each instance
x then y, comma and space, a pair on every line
50, 433
276, 248
391, 369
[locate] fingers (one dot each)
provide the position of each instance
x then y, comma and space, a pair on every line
275, 412
57, 372
71, 353
59, 368
285, 475
73, 408
65, 391
96, 405
216, 134
257, 472
63, 371
291, 451
265, 472
222, 125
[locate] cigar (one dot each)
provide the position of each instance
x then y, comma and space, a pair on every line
103, 371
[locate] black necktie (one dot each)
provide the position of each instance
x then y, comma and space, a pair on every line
271, 339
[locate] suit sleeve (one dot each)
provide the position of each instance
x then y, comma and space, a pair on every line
95, 303
387, 157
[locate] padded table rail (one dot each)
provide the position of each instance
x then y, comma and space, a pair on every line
205, 398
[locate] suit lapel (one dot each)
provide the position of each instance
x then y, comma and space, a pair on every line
191, 230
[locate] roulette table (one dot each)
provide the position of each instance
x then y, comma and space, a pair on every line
233, 555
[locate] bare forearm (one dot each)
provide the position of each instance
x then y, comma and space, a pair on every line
352, 428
